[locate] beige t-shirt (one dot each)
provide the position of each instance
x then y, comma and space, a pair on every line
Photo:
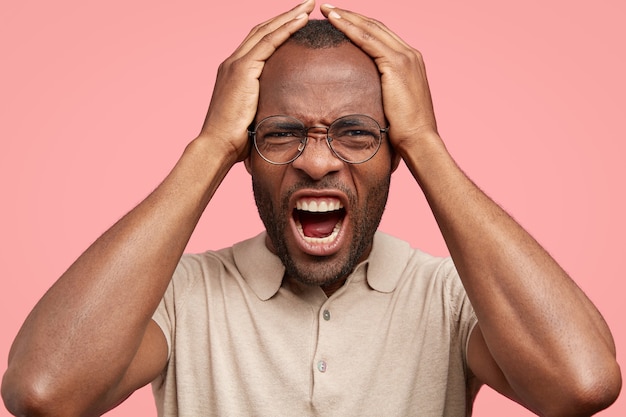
244, 342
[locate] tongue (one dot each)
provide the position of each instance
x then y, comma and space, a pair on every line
318, 224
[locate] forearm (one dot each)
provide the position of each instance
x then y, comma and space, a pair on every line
87, 333
87, 328
538, 325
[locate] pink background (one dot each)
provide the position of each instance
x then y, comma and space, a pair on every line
98, 99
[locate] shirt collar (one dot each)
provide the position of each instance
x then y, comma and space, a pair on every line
263, 271
386, 262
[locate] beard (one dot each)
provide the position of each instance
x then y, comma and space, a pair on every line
364, 220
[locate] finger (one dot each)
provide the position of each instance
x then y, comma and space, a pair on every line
361, 29
369, 34
270, 25
269, 43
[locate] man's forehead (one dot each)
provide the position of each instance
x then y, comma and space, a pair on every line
320, 85
292, 59
299, 71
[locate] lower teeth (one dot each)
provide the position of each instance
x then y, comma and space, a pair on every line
320, 240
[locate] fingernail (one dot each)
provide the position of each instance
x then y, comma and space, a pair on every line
334, 14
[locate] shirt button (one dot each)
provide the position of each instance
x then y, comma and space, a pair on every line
321, 366
326, 315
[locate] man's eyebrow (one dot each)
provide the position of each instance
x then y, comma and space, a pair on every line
286, 124
289, 125
348, 121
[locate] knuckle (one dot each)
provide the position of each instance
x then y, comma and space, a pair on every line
410, 58
237, 66
367, 36
369, 27
226, 65
222, 68
405, 60
263, 27
417, 55
375, 22
230, 67
269, 39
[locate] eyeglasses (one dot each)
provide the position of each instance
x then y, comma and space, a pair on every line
281, 139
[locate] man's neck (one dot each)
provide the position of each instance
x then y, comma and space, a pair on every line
332, 287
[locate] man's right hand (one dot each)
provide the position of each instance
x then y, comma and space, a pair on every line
90, 341
236, 92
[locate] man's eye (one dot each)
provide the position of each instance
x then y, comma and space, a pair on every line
359, 133
356, 133
281, 134
280, 138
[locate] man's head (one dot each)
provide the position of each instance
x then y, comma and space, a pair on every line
319, 211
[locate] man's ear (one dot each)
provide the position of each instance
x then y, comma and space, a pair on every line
246, 162
395, 160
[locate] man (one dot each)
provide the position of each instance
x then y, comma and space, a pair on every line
320, 315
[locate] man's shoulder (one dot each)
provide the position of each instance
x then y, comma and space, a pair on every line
395, 262
391, 249
225, 254
248, 261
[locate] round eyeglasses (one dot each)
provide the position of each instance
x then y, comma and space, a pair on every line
281, 139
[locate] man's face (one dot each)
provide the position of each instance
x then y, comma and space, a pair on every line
318, 86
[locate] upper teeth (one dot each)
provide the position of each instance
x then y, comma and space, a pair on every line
319, 205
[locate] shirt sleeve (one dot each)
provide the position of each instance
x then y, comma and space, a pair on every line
463, 317
165, 314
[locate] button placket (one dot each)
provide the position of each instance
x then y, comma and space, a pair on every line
322, 364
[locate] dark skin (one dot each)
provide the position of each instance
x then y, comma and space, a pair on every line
317, 87
522, 347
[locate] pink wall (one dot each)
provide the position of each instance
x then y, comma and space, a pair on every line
97, 102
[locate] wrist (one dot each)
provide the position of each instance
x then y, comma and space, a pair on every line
204, 164
420, 146
425, 154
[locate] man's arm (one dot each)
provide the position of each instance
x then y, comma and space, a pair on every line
90, 341
540, 340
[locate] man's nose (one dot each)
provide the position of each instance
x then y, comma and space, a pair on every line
317, 159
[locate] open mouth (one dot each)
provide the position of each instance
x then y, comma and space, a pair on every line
319, 220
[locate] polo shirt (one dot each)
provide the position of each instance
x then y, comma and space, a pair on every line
243, 341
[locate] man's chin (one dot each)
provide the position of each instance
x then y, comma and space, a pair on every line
316, 280
318, 270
